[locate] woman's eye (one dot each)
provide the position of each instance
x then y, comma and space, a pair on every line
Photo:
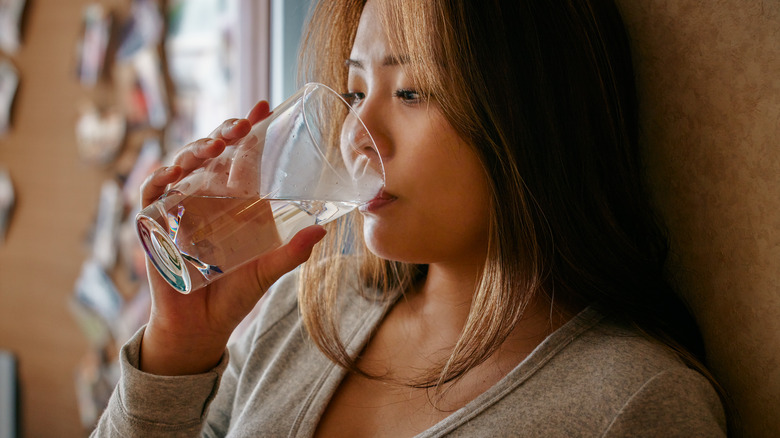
408, 96
353, 98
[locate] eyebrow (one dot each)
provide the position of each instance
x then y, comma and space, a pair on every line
388, 61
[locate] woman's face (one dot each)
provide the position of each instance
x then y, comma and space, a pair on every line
435, 206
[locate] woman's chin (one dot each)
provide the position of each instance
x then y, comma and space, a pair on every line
392, 247
383, 243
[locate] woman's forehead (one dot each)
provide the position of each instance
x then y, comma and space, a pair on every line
374, 43
371, 40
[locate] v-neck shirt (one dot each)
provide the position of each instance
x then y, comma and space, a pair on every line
591, 377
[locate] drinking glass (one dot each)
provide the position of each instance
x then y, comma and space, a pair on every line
310, 162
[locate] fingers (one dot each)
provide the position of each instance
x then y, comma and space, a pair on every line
245, 168
231, 130
259, 112
287, 257
196, 153
193, 155
154, 185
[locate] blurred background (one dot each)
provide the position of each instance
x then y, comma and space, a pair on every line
93, 96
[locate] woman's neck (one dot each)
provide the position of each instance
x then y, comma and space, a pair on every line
439, 304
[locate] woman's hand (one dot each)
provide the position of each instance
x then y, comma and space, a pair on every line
187, 334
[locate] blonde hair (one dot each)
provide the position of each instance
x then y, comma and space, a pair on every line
544, 92
495, 307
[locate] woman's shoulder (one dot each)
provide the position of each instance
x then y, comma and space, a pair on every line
632, 378
647, 386
608, 350
603, 378
623, 351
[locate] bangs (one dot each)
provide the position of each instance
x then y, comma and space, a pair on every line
414, 29
417, 31
421, 32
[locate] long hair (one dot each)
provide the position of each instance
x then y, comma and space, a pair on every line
544, 91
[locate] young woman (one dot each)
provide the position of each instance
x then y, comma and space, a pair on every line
507, 281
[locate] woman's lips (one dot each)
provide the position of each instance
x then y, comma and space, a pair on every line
380, 200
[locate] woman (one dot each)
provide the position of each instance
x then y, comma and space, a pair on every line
509, 280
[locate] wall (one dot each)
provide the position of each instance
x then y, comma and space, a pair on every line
709, 83
56, 199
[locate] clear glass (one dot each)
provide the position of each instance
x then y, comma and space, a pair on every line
310, 162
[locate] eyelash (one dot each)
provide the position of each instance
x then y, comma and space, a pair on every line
353, 97
407, 95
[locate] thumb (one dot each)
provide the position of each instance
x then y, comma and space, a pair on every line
284, 259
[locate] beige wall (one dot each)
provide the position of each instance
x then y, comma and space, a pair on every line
709, 82
46, 244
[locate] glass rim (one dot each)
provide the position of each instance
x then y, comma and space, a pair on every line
307, 89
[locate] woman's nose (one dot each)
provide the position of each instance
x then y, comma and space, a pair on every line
358, 147
371, 113
369, 129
